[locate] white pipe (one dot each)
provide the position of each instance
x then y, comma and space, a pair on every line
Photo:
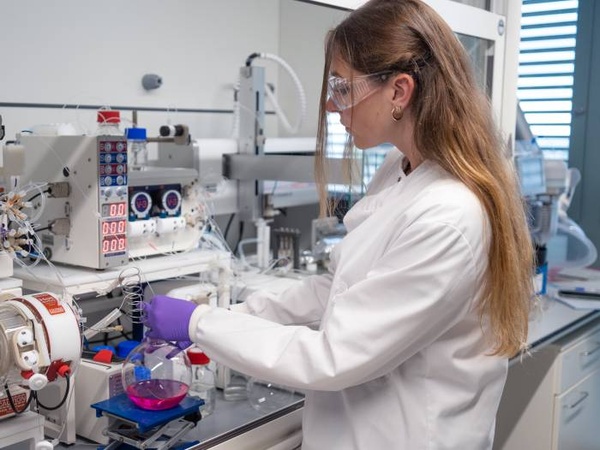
292, 129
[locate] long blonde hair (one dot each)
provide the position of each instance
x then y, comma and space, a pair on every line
454, 127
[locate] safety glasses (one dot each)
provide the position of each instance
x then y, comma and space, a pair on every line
345, 93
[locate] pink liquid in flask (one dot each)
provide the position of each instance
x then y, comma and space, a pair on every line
157, 394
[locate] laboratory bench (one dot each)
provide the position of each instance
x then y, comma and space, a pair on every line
236, 425
551, 320
233, 424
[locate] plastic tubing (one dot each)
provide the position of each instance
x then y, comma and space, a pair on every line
569, 227
273, 99
299, 89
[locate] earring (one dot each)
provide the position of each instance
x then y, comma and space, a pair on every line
397, 113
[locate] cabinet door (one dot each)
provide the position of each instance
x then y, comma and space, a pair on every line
576, 414
578, 360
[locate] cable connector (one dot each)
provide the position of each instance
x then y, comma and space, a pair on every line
60, 189
61, 226
64, 370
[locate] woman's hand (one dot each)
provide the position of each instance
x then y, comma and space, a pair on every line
168, 318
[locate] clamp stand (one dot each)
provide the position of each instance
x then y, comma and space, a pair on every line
145, 429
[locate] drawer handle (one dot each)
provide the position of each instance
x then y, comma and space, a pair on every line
584, 395
591, 352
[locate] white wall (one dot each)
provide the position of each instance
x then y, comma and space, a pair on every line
89, 53
302, 36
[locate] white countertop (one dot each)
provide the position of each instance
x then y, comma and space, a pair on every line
10, 283
553, 319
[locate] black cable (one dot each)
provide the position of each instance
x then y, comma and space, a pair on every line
12, 403
38, 194
250, 58
235, 250
229, 222
62, 402
100, 341
127, 336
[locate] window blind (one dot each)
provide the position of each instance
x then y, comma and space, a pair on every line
546, 70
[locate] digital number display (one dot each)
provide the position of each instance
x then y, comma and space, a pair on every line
114, 244
114, 227
110, 210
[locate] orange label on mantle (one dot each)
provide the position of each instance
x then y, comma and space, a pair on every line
51, 303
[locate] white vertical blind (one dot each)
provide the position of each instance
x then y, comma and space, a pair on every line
546, 69
371, 158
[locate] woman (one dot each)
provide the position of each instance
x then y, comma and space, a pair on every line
429, 291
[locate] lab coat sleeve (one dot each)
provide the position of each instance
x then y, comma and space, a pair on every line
301, 304
422, 286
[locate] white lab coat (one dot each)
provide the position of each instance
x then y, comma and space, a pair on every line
399, 359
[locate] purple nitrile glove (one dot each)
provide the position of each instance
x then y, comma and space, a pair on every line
168, 318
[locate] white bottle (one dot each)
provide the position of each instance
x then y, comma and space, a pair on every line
203, 381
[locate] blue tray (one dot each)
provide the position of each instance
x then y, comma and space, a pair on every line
121, 407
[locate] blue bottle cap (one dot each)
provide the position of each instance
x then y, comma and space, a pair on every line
135, 134
142, 373
97, 348
123, 348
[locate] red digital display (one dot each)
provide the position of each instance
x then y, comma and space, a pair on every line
112, 210
114, 244
117, 209
114, 238
114, 227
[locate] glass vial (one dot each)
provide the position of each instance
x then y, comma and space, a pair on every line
137, 152
203, 381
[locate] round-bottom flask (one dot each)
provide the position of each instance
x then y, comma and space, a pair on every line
156, 375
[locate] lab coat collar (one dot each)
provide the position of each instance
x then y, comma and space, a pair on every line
387, 184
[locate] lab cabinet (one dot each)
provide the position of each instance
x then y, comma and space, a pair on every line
576, 413
551, 400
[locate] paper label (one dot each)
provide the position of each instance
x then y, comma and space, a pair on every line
19, 400
51, 303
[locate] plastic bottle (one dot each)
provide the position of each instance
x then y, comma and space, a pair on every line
137, 153
203, 381
108, 123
